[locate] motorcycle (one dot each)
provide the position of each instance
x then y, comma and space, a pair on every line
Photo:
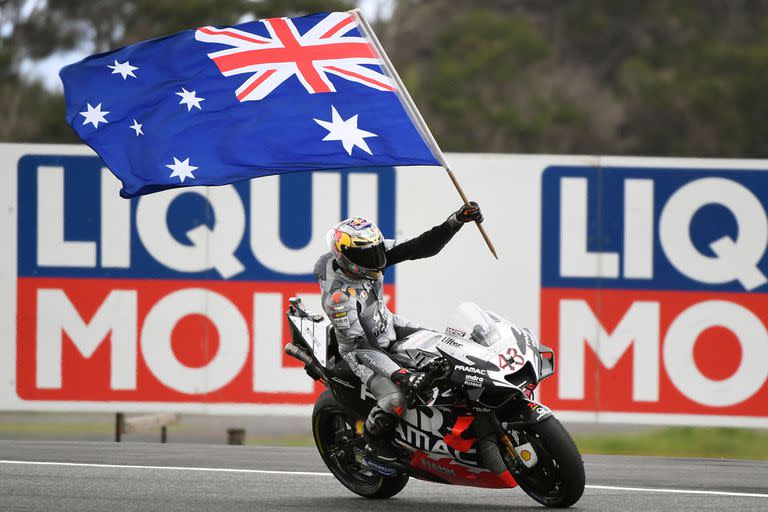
475, 423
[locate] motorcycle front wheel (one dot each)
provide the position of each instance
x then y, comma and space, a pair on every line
557, 479
330, 427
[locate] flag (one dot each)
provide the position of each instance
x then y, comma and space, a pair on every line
217, 105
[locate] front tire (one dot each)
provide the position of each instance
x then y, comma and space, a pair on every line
558, 479
329, 423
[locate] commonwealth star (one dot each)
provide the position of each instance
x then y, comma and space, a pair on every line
346, 131
123, 68
181, 169
94, 115
190, 99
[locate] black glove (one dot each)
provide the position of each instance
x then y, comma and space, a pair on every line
469, 213
409, 380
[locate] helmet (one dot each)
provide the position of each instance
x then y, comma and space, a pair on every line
358, 247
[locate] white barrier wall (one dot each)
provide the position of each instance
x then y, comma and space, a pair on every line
647, 277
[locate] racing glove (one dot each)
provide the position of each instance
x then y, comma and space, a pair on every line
409, 380
468, 213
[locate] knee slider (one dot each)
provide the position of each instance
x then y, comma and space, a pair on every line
394, 404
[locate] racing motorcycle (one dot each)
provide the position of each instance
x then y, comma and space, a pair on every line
475, 423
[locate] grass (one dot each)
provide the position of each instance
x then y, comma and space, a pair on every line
281, 441
54, 429
699, 442
705, 442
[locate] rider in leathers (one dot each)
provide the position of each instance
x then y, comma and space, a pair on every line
351, 278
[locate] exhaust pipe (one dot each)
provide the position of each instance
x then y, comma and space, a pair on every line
310, 366
297, 353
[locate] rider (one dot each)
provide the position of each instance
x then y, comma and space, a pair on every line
351, 278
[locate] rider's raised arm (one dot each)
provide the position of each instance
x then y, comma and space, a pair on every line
432, 241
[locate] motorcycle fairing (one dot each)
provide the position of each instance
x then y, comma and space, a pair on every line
510, 358
447, 470
444, 435
314, 329
524, 411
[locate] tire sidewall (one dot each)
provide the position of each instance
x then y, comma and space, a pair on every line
384, 487
556, 440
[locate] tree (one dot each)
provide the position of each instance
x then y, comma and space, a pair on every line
658, 77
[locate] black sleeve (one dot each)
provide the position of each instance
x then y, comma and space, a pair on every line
425, 245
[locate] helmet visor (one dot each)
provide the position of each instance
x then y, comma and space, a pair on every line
370, 257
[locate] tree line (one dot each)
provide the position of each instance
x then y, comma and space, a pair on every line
658, 77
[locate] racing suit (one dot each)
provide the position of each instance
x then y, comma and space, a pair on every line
365, 328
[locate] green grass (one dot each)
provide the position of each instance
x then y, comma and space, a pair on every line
700, 442
47, 429
281, 441
730, 443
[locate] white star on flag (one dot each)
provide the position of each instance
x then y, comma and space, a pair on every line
136, 126
94, 115
123, 68
190, 99
346, 131
181, 169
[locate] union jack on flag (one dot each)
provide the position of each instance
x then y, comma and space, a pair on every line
325, 48
217, 105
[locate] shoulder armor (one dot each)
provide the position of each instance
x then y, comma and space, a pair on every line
321, 265
339, 297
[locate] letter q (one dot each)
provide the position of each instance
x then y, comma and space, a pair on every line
210, 248
735, 259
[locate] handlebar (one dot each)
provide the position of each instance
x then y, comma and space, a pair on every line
438, 365
435, 370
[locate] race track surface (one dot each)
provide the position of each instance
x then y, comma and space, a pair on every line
64, 476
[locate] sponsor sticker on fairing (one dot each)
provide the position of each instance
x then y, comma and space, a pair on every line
473, 380
470, 369
455, 332
450, 341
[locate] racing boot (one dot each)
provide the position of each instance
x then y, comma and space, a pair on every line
379, 430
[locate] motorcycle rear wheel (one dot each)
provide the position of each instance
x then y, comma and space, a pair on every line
558, 479
328, 422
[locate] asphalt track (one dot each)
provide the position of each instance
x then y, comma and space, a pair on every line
80, 476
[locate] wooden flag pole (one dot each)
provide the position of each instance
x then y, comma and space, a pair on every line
415, 115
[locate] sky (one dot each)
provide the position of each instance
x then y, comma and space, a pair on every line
47, 70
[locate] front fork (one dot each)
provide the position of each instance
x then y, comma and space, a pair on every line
513, 438
523, 455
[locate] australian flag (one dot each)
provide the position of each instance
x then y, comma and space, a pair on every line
218, 105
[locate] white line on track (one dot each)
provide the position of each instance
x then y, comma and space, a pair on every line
317, 473
679, 491
173, 468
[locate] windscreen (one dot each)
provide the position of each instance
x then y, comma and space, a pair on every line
472, 323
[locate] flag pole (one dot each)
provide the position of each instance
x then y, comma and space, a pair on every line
415, 115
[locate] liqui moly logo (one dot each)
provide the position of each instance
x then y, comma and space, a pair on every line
655, 289
178, 296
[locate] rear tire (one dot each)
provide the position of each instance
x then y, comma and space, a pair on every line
558, 479
328, 418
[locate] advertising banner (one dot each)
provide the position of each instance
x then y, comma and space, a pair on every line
648, 277
177, 297
654, 285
